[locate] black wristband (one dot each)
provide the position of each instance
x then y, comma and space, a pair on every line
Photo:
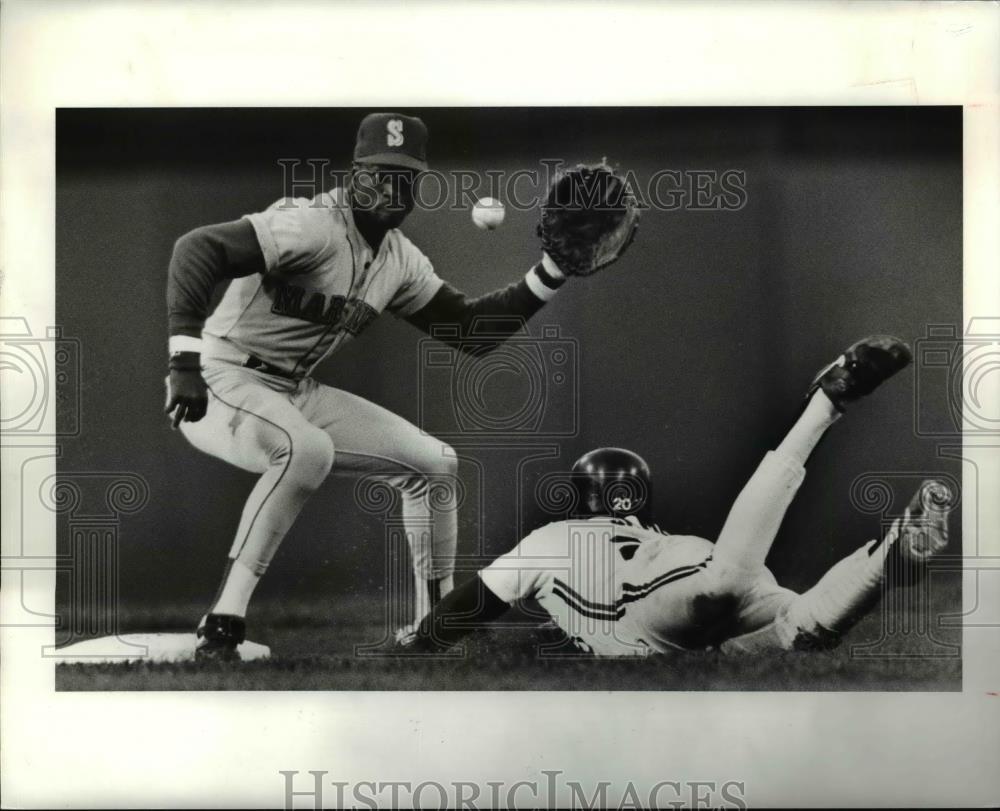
185, 362
547, 278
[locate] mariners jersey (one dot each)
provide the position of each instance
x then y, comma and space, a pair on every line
591, 575
321, 287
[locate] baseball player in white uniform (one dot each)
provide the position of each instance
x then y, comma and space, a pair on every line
306, 276
617, 585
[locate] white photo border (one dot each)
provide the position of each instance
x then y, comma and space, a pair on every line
194, 749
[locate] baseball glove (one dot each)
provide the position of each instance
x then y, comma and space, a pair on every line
588, 218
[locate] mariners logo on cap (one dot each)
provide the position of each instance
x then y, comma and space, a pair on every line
391, 139
394, 136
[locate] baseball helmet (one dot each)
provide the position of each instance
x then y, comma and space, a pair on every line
613, 481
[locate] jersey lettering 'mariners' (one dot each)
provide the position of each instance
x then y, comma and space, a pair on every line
353, 315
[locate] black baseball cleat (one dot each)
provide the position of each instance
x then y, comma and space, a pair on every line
220, 635
861, 369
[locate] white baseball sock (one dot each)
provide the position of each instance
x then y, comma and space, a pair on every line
842, 596
236, 592
819, 415
756, 515
758, 511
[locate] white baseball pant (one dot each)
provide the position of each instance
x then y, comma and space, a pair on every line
294, 433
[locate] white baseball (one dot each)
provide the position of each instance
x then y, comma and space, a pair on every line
488, 213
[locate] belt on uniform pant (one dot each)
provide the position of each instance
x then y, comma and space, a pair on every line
258, 365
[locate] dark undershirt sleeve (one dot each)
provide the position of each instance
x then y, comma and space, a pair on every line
458, 614
498, 314
203, 258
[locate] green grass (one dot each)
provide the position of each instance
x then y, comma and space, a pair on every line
316, 646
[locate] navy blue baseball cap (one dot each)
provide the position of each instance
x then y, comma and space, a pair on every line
391, 139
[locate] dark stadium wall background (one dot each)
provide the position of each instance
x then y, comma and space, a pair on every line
694, 350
